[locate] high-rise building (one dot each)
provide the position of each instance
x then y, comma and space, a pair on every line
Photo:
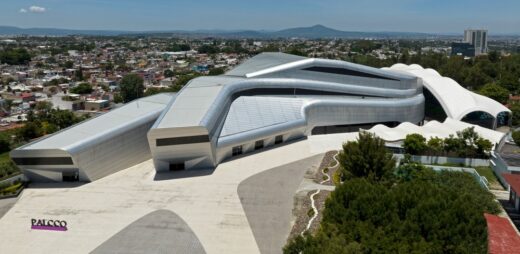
477, 38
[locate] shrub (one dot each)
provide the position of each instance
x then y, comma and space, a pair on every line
516, 137
366, 157
434, 212
414, 144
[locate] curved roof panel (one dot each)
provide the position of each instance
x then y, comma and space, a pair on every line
456, 101
433, 129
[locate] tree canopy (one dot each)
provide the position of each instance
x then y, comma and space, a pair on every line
132, 87
366, 157
495, 92
16, 56
414, 144
83, 88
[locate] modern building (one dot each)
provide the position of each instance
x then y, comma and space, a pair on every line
273, 98
462, 49
478, 38
94, 148
270, 99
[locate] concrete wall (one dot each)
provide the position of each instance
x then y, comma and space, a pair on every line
443, 160
225, 152
117, 153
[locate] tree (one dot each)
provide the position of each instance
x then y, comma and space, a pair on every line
515, 110
5, 145
68, 64
435, 145
414, 144
208, 49
516, 137
17, 56
495, 92
366, 157
79, 74
452, 144
484, 147
169, 73
216, 71
131, 87
83, 88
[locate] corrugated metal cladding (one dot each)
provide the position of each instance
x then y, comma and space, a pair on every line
249, 113
95, 148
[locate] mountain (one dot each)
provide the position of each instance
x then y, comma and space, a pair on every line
313, 32
317, 31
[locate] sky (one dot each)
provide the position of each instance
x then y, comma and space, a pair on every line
431, 16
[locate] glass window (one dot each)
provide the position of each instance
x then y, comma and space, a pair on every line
259, 144
278, 139
237, 150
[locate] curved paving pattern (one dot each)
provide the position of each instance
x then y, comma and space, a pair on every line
161, 231
267, 199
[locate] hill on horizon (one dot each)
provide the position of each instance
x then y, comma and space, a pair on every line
312, 32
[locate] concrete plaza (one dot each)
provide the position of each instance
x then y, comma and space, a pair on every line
205, 204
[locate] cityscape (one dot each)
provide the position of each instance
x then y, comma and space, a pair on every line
270, 136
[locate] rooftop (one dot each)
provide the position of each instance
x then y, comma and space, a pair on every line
101, 125
502, 237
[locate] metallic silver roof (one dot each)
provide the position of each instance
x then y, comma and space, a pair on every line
104, 125
253, 112
263, 61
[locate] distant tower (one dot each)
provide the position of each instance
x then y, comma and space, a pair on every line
477, 38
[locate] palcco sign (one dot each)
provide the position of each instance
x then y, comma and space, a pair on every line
42, 224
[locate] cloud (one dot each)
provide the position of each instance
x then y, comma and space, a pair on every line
23, 10
37, 9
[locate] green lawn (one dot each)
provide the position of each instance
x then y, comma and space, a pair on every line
490, 176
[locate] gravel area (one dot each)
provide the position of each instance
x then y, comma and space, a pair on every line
326, 162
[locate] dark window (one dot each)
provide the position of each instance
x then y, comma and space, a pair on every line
176, 166
43, 161
182, 140
278, 139
259, 144
480, 118
432, 107
343, 71
70, 176
237, 150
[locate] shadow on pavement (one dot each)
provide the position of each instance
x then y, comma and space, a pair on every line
163, 176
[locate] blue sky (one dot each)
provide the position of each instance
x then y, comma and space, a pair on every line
437, 16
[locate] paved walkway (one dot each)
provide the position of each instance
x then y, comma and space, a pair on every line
161, 231
207, 201
6, 204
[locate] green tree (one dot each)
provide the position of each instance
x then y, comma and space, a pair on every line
452, 144
83, 88
436, 145
495, 92
216, 71
366, 157
515, 110
516, 137
132, 87
415, 144
5, 144
168, 73
17, 56
483, 147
